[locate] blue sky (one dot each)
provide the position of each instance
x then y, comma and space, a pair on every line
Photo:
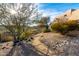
54, 9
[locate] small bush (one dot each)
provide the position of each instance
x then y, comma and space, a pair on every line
27, 34
46, 30
65, 27
55, 26
6, 38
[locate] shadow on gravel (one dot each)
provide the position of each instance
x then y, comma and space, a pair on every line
22, 49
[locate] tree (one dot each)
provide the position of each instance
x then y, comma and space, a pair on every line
43, 22
16, 17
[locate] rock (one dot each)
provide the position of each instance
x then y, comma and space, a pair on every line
72, 14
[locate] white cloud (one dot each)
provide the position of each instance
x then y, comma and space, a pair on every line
50, 12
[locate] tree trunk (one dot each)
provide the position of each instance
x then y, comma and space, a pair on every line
16, 40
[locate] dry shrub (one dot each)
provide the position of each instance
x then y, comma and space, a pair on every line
65, 27
6, 38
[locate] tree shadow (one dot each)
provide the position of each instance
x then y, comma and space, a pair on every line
23, 49
27, 50
11, 51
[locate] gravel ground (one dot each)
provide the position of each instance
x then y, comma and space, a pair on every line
22, 49
59, 44
43, 44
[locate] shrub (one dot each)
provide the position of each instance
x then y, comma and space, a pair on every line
65, 27
46, 30
72, 24
78, 27
6, 38
55, 27
27, 34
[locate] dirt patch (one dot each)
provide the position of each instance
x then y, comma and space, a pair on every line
5, 48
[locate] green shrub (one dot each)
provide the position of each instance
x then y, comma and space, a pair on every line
73, 25
65, 27
45, 30
78, 27
26, 34
55, 26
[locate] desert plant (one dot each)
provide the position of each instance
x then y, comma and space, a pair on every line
17, 17
73, 25
64, 27
6, 38
43, 24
